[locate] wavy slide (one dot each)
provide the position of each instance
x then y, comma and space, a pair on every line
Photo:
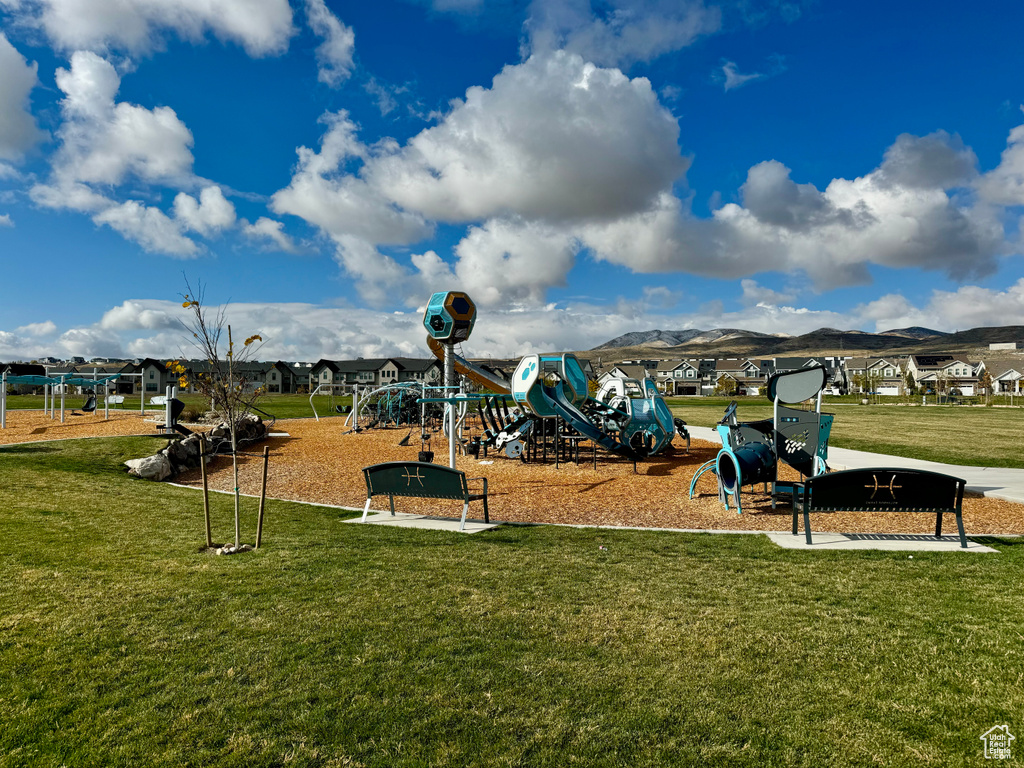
560, 404
471, 371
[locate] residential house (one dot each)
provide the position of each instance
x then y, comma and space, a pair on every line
945, 373
623, 371
374, 372
881, 375
282, 378
739, 375
685, 377
1006, 375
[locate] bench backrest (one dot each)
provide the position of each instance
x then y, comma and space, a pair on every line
415, 478
881, 490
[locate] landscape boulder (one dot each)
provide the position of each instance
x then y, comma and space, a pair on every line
181, 455
156, 467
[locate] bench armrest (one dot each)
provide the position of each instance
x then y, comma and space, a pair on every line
470, 479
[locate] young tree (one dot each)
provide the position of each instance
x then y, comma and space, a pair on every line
985, 385
909, 384
225, 382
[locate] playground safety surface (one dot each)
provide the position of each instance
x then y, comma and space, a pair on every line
318, 463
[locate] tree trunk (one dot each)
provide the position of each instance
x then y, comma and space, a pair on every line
234, 462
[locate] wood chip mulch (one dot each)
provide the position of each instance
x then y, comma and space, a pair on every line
24, 426
319, 462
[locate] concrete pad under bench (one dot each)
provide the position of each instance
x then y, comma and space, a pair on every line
888, 542
426, 522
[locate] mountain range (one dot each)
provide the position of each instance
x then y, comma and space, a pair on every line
824, 341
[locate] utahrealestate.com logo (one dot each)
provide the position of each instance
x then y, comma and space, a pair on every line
997, 742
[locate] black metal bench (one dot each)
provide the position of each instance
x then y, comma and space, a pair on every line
881, 490
421, 480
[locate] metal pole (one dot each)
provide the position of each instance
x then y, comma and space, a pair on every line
167, 409
142, 395
3, 402
355, 407
63, 394
450, 384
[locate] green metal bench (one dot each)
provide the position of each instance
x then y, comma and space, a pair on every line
881, 490
422, 480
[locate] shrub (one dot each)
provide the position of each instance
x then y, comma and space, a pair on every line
190, 415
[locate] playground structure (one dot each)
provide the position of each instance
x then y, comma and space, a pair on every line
449, 319
50, 385
751, 451
628, 417
631, 420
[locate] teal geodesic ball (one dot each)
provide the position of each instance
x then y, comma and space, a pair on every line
450, 316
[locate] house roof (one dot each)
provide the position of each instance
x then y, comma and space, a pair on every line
732, 364
931, 361
998, 368
23, 369
630, 371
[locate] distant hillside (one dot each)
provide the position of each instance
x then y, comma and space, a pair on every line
659, 338
915, 332
730, 342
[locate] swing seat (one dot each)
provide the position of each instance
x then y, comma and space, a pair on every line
90, 405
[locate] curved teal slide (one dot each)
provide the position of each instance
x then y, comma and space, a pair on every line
555, 398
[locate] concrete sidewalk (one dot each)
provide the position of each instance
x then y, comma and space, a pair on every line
427, 522
995, 482
886, 542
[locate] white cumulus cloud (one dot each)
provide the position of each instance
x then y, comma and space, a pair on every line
334, 54
618, 32
103, 141
149, 227
261, 27
211, 213
18, 129
268, 229
44, 328
554, 138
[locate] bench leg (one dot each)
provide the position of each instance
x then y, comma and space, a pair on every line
487, 518
366, 510
465, 511
807, 525
391, 498
960, 528
938, 525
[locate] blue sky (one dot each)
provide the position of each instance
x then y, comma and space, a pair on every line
582, 169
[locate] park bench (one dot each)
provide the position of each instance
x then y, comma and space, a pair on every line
881, 490
422, 480
117, 400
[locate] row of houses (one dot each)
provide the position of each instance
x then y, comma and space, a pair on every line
687, 377
152, 377
880, 375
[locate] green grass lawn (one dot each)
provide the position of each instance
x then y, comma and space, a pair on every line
339, 645
985, 437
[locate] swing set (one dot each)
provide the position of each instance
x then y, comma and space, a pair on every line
50, 385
